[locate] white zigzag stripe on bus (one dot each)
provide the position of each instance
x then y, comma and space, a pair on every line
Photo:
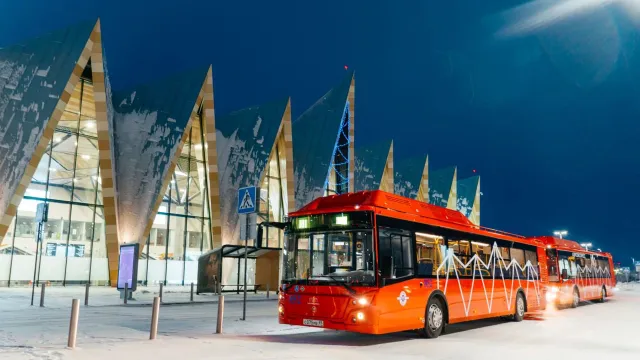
591, 285
477, 263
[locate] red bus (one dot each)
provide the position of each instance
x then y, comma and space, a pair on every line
374, 262
576, 274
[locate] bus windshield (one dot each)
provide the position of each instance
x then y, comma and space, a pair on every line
323, 250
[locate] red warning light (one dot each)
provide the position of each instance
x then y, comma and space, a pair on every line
346, 67
474, 170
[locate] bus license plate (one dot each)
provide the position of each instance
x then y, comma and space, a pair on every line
317, 323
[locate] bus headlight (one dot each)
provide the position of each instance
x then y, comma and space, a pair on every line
551, 296
360, 316
554, 289
281, 309
362, 301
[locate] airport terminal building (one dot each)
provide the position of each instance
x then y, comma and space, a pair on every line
155, 164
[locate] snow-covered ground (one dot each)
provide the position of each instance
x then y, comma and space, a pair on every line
60, 297
606, 331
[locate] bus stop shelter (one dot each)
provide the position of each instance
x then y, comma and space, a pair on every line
210, 270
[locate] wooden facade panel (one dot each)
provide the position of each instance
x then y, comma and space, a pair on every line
104, 154
209, 124
424, 183
387, 181
288, 144
452, 202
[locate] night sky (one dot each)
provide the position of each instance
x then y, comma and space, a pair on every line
549, 118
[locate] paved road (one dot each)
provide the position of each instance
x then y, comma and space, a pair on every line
187, 332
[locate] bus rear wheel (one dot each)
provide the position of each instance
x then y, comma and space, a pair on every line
520, 308
434, 319
603, 295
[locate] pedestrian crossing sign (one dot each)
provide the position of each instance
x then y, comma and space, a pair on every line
247, 200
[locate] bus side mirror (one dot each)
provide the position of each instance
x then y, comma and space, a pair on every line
564, 274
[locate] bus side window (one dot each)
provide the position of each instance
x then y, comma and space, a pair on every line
603, 268
461, 249
482, 250
607, 270
518, 256
572, 267
428, 251
502, 262
532, 257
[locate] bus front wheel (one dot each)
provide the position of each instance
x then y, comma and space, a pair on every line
434, 318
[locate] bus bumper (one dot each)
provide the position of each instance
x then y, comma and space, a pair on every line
361, 322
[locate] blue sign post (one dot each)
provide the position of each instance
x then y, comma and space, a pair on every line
247, 200
247, 204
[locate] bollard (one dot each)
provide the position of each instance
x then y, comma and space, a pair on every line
220, 314
153, 331
161, 292
191, 292
267, 291
126, 292
73, 324
44, 285
86, 295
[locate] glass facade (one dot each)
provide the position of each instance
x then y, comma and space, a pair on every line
73, 243
273, 195
73, 247
68, 178
181, 230
338, 178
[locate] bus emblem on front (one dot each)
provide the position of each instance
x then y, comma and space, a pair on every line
313, 301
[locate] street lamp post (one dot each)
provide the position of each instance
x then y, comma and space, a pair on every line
560, 233
586, 245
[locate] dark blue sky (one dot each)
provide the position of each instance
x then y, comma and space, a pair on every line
550, 120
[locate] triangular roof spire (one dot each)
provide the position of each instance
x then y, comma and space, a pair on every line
149, 124
314, 139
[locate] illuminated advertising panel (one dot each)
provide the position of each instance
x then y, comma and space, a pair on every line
128, 266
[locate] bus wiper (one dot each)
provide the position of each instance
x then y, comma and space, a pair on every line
335, 280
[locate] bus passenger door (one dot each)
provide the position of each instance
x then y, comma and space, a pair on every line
398, 300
